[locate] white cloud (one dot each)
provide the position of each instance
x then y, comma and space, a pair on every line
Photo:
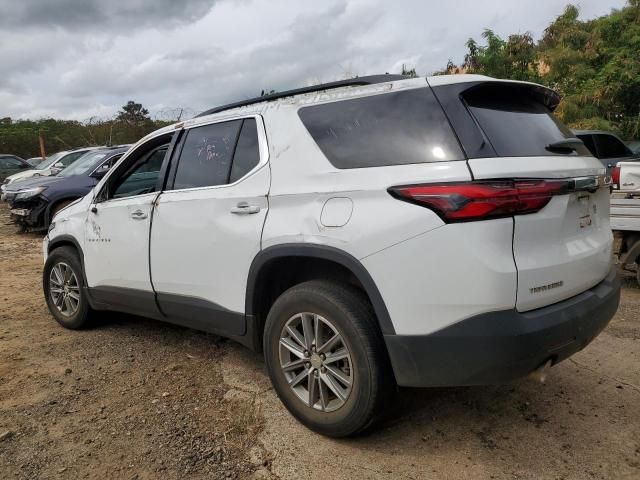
86, 58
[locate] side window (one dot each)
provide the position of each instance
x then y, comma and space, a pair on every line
8, 162
142, 177
382, 130
205, 159
247, 154
610, 147
112, 161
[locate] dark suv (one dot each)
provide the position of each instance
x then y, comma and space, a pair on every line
34, 202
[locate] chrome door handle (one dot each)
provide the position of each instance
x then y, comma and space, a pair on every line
138, 215
243, 208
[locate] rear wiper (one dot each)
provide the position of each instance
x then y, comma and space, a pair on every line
567, 145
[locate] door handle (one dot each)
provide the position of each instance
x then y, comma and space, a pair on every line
243, 208
138, 215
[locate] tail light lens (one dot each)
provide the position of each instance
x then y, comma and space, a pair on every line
464, 202
615, 176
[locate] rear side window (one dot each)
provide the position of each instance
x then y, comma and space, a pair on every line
610, 147
515, 123
247, 153
382, 130
205, 159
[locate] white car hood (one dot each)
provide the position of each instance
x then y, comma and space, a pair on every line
28, 174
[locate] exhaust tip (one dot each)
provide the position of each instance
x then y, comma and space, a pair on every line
540, 373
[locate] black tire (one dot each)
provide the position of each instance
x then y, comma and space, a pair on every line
352, 315
68, 256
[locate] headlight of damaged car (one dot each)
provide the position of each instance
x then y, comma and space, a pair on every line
29, 193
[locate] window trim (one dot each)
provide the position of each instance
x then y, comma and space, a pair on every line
263, 148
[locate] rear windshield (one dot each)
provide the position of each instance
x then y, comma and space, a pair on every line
381, 130
515, 123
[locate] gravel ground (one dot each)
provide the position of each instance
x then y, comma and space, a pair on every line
136, 399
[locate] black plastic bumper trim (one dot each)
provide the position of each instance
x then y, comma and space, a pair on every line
498, 347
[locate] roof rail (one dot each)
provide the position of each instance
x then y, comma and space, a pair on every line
352, 82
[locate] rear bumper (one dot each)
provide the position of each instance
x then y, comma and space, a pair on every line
498, 347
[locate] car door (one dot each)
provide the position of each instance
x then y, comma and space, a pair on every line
207, 224
116, 256
11, 165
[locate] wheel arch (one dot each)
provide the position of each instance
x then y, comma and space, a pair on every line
53, 203
65, 240
263, 263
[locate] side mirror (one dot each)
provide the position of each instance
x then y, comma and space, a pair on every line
56, 168
101, 171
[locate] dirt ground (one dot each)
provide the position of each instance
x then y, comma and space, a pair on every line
136, 399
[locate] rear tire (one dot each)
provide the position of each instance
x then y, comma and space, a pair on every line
63, 284
327, 359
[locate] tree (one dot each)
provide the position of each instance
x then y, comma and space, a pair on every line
409, 72
594, 64
133, 113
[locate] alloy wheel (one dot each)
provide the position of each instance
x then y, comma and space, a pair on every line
316, 361
64, 289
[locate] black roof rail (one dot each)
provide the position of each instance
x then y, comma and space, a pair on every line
352, 82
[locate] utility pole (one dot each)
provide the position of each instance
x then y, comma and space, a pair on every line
42, 152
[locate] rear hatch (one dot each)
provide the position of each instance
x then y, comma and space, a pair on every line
564, 248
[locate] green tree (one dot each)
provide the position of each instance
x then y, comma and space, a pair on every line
594, 64
133, 113
409, 72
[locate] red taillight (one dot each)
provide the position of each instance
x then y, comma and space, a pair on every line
615, 176
463, 202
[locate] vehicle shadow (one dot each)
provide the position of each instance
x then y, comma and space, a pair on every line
527, 429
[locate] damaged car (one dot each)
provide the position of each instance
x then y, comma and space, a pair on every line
34, 202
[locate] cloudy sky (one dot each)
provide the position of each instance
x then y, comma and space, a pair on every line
82, 58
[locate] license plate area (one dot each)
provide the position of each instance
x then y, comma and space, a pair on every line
20, 212
585, 208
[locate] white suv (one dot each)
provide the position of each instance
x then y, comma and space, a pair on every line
364, 234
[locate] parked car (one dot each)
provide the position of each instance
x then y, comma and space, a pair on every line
35, 201
33, 161
625, 223
605, 146
52, 166
363, 234
10, 165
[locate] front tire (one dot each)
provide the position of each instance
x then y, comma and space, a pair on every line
63, 284
326, 358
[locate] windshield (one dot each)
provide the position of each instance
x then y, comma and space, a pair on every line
85, 163
49, 161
